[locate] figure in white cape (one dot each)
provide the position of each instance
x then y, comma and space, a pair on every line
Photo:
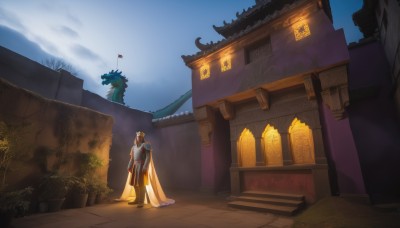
142, 177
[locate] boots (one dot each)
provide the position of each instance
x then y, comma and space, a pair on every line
140, 193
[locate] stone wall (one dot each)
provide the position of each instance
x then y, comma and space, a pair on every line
48, 135
35, 77
172, 141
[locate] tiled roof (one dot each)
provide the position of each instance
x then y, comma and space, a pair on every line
208, 48
248, 17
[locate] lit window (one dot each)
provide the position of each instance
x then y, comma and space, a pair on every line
226, 63
301, 30
302, 143
204, 71
247, 149
272, 146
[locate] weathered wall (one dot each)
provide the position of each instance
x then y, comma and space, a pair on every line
176, 153
50, 133
35, 77
176, 142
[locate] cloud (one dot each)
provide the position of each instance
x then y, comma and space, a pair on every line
11, 20
84, 52
18, 43
65, 30
47, 45
74, 19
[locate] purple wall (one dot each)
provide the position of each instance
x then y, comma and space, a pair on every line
176, 155
222, 154
373, 122
288, 58
343, 155
216, 158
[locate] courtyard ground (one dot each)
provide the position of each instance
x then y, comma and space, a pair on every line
196, 209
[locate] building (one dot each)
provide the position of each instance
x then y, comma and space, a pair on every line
381, 19
270, 100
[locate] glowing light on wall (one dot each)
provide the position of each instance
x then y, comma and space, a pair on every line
302, 143
226, 63
204, 71
247, 149
301, 30
272, 146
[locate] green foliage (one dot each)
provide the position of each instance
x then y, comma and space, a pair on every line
78, 185
104, 189
53, 187
15, 202
89, 162
12, 146
93, 185
98, 187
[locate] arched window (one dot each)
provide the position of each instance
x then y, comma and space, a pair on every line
271, 140
247, 149
301, 142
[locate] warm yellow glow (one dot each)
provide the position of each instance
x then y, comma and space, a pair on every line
302, 143
204, 71
247, 149
272, 146
226, 63
301, 30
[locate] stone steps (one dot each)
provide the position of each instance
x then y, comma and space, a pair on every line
272, 202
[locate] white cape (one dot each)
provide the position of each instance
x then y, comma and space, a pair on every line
154, 190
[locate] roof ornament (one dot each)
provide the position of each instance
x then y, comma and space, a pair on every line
240, 14
203, 47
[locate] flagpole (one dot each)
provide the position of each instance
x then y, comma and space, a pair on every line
118, 56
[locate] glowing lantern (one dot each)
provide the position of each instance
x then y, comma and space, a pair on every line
226, 63
301, 30
204, 71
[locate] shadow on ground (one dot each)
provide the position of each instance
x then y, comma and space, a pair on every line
342, 212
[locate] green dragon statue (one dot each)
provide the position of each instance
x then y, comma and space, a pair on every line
118, 85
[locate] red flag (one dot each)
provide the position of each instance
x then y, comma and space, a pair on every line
120, 56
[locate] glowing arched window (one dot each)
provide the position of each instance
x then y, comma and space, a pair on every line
302, 143
272, 146
247, 149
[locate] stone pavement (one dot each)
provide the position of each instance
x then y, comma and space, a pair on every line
191, 209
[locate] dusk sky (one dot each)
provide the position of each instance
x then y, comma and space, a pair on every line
151, 35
